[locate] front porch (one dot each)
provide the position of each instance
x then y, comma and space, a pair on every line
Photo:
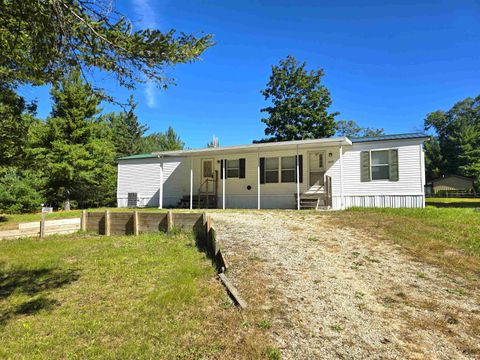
262, 180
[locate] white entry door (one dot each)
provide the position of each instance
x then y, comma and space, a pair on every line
316, 166
208, 172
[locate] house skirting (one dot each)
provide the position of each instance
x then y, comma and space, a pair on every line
378, 201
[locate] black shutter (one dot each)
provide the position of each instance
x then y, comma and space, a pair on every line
241, 172
262, 170
365, 166
222, 164
300, 168
393, 162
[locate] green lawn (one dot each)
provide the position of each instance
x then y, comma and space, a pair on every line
445, 236
454, 202
83, 296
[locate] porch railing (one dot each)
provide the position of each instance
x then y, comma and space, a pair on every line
208, 184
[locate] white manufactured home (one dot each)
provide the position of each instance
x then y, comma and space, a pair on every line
330, 173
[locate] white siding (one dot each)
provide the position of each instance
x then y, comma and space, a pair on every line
143, 177
408, 191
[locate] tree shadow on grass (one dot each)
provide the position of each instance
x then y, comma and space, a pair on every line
3, 218
29, 307
37, 283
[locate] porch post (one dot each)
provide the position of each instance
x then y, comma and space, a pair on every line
258, 180
298, 180
223, 183
160, 190
342, 201
191, 183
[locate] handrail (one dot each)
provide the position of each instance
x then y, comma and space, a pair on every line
206, 181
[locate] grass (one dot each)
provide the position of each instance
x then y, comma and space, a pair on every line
85, 296
454, 202
9, 221
449, 237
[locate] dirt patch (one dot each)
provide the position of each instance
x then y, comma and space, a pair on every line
339, 293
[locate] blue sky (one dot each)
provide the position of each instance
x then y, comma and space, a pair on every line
387, 63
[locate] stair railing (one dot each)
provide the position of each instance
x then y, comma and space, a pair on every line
205, 182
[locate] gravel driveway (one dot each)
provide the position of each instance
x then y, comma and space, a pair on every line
337, 293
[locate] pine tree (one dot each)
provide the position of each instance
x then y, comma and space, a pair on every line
467, 138
16, 116
127, 131
458, 131
75, 148
167, 141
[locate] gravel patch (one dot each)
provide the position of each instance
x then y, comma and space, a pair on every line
341, 294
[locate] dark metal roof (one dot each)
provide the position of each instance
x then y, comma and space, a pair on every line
452, 175
391, 137
138, 156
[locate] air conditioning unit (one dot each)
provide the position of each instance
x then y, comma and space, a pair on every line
132, 200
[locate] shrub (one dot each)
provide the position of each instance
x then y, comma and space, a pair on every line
20, 190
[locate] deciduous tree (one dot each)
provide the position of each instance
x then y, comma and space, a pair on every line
435, 163
299, 103
351, 129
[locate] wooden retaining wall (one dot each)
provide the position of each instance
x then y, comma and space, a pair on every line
33, 229
136, 222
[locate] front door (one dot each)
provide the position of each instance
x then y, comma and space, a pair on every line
208, 176
316, 166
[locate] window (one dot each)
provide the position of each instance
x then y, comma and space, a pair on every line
380, 165
233, 168
271, 170
320, 161
207, 168
288, 169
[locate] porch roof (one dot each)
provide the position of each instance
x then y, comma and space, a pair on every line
271, 146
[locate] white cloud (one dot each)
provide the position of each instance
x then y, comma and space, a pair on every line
146, 19
145, 13
150, 90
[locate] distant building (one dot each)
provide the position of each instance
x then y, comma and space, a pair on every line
451, 183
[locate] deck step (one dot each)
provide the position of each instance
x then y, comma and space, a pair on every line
198, 202
308, 203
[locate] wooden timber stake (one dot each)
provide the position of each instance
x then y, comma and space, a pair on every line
135, 223
205, 226
232, 290
107, 223
169, 221
42, 226
222, 261
83, 221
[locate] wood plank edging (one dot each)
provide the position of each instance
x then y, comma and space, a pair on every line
232, 290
